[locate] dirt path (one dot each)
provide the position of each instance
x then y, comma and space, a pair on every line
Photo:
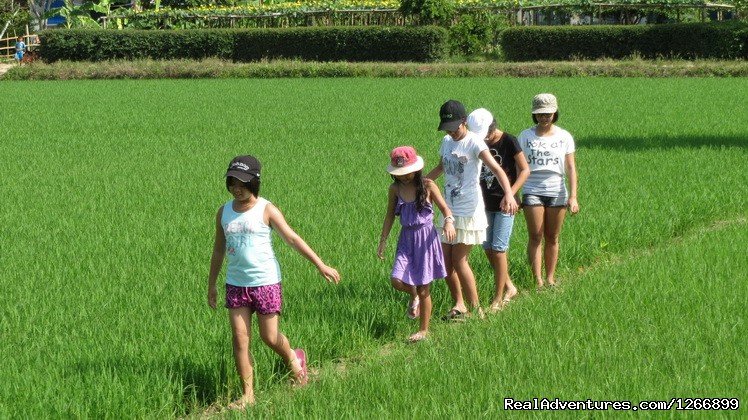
4, 67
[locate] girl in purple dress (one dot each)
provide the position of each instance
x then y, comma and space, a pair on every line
419, 259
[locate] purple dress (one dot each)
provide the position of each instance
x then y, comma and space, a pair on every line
419, 259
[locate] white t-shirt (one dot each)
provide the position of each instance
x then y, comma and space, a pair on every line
546, 157
462, 168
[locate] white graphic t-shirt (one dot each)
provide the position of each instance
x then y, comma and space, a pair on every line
546, 157
462, 168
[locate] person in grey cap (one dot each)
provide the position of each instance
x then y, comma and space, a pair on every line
253, 279
545, 196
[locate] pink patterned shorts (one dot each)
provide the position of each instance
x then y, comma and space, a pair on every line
263, 299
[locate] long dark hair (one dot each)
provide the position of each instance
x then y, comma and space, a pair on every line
420, 189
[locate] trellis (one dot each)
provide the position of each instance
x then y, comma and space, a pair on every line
523, 15
529, 15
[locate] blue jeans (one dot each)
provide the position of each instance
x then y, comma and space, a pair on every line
499, 231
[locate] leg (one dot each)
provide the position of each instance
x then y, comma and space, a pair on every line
534, 216
271, 335
460, 254
554, 221
500, 275
413, 311
241, 323
453, 281
424, 297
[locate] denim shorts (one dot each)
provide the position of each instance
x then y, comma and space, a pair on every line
532, 200
499, 231
263, 299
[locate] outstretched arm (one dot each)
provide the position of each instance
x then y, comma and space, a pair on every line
436, 198
571, 170
389, 218
216, 260
508, 203
278, 222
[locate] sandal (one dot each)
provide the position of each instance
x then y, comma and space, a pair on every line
419, 336
454, 315
413, 311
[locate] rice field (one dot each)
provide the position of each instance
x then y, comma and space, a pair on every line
109, 191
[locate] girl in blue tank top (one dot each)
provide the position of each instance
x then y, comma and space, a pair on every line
253, 280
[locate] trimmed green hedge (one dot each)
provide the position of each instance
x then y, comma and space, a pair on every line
312, 43
686, 40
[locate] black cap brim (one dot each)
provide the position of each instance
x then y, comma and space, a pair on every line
449, 125
241, 176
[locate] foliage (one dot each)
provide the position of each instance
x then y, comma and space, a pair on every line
80, 15
687, 40
476, 33
429, 12
320, 43
18, 17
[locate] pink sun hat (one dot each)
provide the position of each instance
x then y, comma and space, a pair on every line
404, 160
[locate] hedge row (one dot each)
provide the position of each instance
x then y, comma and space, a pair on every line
686, 40
420, 44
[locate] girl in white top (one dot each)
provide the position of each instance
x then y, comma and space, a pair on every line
545, 196
253, 281
462, 153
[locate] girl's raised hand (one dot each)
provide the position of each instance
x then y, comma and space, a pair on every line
330, 274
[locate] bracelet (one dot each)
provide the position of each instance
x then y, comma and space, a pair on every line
449, 219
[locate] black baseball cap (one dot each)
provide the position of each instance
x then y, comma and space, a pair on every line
244, 168
451, 114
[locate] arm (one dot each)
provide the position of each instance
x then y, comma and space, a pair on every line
508, 203
571, 170
523, 171
216, 260
389, 218
436, 198
278, 222
436, 172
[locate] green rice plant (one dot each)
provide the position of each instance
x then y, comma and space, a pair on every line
106, 234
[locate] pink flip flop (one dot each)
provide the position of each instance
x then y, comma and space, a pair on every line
301, 356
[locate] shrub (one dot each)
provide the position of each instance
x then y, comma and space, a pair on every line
687, 40
476, 33
343, 43
316, 43
98, 45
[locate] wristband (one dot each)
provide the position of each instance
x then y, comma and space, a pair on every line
449, 219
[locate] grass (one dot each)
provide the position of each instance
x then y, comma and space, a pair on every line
111, 188
214, 68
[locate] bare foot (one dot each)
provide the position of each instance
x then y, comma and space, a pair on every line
551, 282
419, 336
